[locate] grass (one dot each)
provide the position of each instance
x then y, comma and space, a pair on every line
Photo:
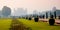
39, 25
5, 24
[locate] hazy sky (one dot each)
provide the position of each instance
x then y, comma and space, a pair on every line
40, 5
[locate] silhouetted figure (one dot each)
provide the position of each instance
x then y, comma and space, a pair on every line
51, 20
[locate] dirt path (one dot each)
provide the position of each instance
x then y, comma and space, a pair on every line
16, 25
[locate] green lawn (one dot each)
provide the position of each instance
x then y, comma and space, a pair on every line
39, 25
5, 24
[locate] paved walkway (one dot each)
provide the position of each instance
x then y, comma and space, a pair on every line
46, 20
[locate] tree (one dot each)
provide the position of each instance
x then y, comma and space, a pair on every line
55, 14
51, 20
6, 11
46, 15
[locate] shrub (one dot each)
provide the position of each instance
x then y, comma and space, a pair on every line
51, 20
36, 19
30, 18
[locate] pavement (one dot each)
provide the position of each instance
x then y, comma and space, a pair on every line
46, 20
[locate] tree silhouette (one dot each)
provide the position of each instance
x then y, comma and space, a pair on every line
51, 20
55, 14
46, 15
6, 11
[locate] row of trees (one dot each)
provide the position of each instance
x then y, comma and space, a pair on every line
47, 15
55, 15
6, 11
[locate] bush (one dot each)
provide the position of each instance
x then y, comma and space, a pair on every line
29, 18
36, 19
51, 20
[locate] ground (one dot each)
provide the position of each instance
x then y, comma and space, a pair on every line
6, 23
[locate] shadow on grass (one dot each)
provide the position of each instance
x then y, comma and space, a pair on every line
54, 25
16, 25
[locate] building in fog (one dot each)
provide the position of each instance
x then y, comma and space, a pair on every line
35, 12
54, 9
20, 12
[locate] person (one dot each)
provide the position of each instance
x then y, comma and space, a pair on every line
51, 20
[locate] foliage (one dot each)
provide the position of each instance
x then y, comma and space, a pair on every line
6, 11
